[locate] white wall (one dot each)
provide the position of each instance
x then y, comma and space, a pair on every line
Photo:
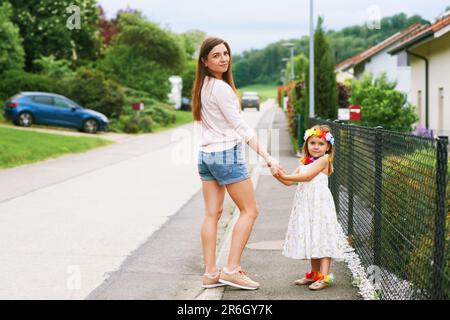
384, 62
438, 53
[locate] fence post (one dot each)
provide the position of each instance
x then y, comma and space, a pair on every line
337, 143
378, 195
439, 220
350, 160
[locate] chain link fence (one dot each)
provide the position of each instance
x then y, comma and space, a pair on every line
392, 196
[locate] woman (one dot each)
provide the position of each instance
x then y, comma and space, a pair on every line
215, 107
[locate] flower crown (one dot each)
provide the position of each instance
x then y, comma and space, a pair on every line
319, 133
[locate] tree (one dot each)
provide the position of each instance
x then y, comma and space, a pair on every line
325, 92
194, 39
142, 56
300, 68
107, 28
155, 43
381, 104
42, 25
12, 55
92, 89
188, 77
56, 69
130, 66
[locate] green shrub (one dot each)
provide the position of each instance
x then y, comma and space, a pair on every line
15, 81
92, 90
408, 222
12, 54
381, 104
128, 66
133, 96
162, 115
132, 124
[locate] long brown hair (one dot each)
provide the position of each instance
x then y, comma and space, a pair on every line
206, 47
330, 152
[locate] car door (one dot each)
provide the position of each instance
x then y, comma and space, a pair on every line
43, 109
67, 113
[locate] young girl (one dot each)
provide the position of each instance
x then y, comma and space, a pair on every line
313, 227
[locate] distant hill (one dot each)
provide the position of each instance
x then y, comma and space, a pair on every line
264, 66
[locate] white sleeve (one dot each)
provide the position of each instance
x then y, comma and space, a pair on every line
226, 100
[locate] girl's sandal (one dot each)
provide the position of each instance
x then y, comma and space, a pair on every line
319, 285
323, 282
307, 279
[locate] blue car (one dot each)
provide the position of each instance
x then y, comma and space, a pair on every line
27, 108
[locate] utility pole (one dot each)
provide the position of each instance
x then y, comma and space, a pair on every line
311, 59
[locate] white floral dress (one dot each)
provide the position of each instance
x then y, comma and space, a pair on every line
313, 230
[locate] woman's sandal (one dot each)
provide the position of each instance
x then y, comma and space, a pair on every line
309, 278
323, 282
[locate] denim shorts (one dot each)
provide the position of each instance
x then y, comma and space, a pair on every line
227, 166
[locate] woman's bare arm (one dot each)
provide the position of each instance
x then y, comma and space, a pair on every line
271, 162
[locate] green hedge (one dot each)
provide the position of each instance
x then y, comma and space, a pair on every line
409, 193
93, 90
15, 81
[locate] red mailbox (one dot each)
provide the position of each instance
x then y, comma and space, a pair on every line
138, 106
355, 113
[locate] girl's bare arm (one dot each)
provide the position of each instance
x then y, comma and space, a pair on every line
315, 169
283, 181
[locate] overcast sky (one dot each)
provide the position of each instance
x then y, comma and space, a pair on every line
248, 24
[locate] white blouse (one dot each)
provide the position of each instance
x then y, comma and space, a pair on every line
221, 126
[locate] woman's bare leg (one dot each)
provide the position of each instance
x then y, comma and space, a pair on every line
213, 196
243, 195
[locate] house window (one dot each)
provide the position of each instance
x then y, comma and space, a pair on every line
441, 109
403, 59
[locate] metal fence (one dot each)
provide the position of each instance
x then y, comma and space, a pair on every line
392, 196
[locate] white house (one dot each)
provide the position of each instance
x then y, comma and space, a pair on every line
377, 60
429, 49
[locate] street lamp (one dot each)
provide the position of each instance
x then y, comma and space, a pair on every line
284, 70
283, 78
291, 46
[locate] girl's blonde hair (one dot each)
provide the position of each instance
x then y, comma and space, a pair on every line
202, 71
330, 152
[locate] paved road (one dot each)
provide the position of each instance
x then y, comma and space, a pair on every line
67, 224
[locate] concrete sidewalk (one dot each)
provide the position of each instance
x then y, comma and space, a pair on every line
262, 257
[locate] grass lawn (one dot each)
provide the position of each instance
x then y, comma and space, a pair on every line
18, 147
182, 117
265, 91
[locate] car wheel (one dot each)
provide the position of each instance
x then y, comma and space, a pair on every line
25, 119
90, 126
